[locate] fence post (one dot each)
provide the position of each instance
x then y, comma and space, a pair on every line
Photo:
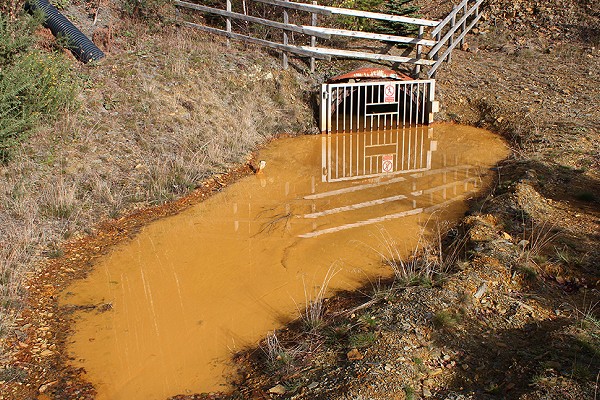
464, 24
419, 51
432, 106
323, 110
285, 38
313, 39
228, 23
451, 39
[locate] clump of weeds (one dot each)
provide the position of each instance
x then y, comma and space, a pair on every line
427, 264
278, 357
314, 313
446, 319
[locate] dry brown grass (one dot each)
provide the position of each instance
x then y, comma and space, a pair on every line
158, 117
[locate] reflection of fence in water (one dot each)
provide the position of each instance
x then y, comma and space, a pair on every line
361, 155
420, 192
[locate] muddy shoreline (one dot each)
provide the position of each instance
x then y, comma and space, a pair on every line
44, 326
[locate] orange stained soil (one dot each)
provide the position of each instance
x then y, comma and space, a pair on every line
175, 302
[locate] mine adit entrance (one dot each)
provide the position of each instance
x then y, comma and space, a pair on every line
373, 99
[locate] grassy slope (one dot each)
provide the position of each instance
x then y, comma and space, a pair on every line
164, 111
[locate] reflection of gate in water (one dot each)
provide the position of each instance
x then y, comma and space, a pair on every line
367, 106
349, 156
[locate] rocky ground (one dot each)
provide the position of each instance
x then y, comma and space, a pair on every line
517, 315
513, 312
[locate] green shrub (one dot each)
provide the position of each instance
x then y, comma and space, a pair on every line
34, 86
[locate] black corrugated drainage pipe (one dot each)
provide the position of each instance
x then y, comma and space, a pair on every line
79, 44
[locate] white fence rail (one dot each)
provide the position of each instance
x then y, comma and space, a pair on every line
469, 13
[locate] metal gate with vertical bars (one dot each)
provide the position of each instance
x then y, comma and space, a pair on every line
379, 105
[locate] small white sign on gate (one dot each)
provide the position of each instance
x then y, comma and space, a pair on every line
387, 164
389, 93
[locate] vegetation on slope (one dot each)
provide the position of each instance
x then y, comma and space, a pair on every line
167, 109
34, 85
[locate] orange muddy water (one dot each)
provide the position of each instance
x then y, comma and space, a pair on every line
190, 290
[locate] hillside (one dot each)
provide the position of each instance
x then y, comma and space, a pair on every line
170, 111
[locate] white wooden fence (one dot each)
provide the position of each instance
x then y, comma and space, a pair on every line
422, 52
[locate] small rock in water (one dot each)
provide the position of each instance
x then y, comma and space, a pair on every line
277, 389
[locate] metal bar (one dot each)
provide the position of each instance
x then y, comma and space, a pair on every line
228, 21
337, 110
371, 36
452, 30
371, 221
451, 38
431, 99
415, 153
292, 49
324, 166
419, 51
368, 56
464, 22
450, 48
333, 85
445, 21
423, 104
329, 99
323, 108
329, 155
349, 12
288, 27
409, 148
410, 115
351, 109
344, 110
